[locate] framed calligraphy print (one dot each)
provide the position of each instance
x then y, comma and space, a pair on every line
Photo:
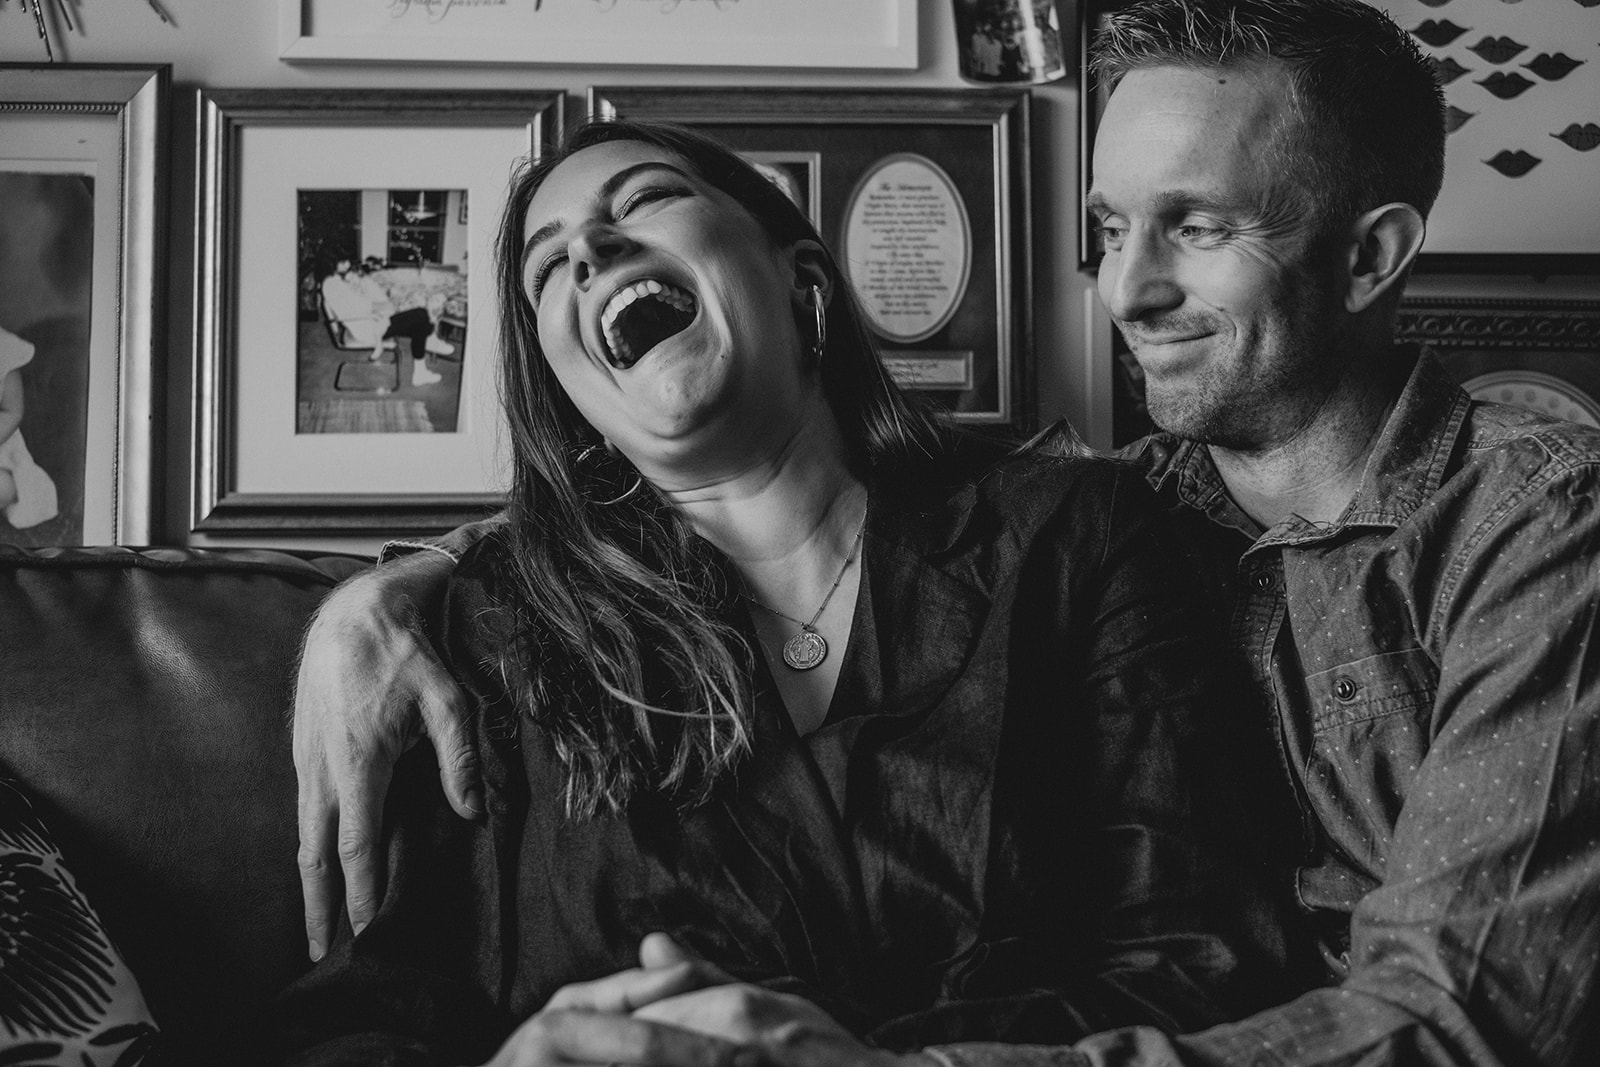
845, 34
923, 196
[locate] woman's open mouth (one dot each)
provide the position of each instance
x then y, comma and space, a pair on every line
642, 315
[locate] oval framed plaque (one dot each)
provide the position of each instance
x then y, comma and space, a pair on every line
908, 246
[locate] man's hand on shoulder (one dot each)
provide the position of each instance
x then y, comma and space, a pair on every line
369, 686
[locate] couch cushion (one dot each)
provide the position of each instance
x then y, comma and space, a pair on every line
66, 996
143, 707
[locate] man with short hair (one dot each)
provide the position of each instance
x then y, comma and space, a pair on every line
1409, 576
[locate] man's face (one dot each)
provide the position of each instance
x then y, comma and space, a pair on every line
1207, 270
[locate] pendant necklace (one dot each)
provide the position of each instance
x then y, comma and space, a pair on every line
806, 649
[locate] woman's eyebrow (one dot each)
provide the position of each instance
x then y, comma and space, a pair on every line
607, 190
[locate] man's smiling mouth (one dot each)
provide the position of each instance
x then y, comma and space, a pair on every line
642, 315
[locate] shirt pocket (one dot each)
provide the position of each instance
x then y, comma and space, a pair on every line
1394, 683
1370, 722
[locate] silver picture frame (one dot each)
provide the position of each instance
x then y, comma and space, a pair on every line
106, 125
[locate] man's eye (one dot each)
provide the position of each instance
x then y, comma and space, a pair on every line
542, 275
1111, 234
1195, 231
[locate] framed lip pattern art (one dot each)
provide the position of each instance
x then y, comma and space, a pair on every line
82, 203
855, 34
345, 312
1522, 160
923, 196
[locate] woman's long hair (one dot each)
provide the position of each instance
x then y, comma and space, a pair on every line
621, 647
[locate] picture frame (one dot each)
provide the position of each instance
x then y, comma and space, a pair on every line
924, 197
1522, 155
311, 416
803, 34
1540, 354
1091, 105
83, 181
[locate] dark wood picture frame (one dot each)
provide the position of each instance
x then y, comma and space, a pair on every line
978, 138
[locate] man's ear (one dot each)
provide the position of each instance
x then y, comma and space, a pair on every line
1384, 244
811, 269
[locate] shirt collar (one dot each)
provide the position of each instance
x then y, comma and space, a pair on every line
1408, 464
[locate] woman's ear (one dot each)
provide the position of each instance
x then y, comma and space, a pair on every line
811, 271
1384, 244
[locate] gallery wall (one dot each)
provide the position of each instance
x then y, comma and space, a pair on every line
234, 44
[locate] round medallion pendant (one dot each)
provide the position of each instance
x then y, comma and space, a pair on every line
805, 650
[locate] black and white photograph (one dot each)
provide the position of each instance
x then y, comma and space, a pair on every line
347, 367
46, 293
800, 533
383, 310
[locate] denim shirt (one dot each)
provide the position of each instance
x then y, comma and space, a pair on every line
1433, 672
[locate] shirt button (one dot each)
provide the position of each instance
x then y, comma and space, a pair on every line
1263, 580
1344, 690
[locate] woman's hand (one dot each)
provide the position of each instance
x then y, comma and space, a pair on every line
588, 1022
555, 1037
772, 1029
369, 686
682, 994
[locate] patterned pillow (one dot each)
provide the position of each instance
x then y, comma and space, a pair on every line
66, 997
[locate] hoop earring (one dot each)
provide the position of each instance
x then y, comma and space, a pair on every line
821, 310
599, 476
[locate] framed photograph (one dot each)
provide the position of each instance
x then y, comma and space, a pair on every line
1539, 354
845, 34
1522, 155
82, 218
346, 323
923, 196
798, 174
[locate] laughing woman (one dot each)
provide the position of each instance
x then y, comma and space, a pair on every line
762, 658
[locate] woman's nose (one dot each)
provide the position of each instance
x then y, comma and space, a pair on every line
593, 248
1138, 278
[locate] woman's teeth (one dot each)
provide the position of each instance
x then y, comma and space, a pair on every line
642, 315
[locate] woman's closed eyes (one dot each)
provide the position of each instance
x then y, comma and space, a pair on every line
638, 198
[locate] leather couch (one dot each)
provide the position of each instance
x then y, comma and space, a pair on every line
143, 704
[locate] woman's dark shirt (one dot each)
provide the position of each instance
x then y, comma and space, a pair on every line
990, 836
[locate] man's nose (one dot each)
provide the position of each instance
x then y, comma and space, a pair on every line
594, 247
1138, 279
